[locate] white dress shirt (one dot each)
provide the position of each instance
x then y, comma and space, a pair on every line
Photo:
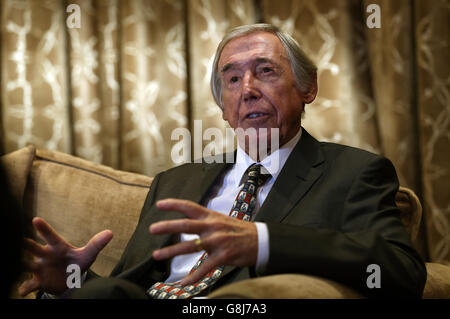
222, 198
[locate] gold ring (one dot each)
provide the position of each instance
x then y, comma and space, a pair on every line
198, 244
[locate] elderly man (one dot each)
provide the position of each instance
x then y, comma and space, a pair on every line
326, 210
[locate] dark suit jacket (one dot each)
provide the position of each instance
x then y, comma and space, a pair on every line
330, 213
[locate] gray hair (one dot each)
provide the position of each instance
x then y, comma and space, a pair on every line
303, 69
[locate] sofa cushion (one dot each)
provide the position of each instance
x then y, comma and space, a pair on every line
287, 286
80, 198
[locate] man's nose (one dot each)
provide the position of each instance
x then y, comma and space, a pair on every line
250, 88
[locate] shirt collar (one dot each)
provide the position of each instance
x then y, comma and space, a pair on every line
273, 163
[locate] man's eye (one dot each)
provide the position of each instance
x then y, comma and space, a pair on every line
234, 79
266, 71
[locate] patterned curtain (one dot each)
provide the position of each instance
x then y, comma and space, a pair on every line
113, 90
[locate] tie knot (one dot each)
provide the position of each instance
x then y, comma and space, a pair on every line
253, 174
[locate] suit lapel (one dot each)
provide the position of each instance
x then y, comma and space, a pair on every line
210, 174
301, 170
197, 192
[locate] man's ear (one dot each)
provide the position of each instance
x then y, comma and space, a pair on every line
309, 96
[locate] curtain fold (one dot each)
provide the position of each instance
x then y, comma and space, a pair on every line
431, 34
392, 64
114, 90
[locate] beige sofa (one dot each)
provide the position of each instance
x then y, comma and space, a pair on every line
80, 198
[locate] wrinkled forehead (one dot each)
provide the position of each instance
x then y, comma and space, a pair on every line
252, 47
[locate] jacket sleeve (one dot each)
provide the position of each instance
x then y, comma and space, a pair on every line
370, 231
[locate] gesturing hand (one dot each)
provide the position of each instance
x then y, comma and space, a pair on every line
50, 262
228, 241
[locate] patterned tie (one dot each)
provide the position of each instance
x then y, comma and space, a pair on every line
242, 209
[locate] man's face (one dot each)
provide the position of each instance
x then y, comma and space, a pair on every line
258, 87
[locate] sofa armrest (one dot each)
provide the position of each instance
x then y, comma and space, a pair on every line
438, 281
286, 286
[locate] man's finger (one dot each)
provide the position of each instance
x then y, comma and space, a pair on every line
186, 247
46, 231
98, 242
28, 286
186, 226
33, 247
188, 208
208, 265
